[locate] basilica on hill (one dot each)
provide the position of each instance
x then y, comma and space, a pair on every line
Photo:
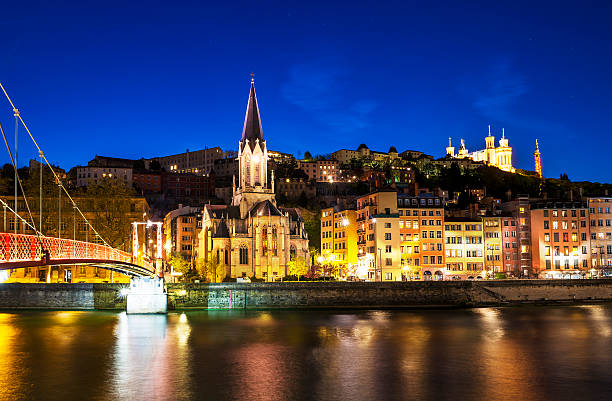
500, 157
253, 236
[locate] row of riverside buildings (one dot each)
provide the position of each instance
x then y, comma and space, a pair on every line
391, 236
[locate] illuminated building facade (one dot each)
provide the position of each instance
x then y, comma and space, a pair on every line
252, 236
378, 238
181, 230
345, 156
510, 248
320, 170
421, 221
464, 248
500, 156
600, 227
493, 244
560, 238
519, 210
339, 239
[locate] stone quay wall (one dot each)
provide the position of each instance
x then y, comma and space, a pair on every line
313, 295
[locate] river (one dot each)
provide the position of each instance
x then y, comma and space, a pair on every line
521, 353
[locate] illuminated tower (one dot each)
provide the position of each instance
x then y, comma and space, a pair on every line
253, 184
450, 149
538, 161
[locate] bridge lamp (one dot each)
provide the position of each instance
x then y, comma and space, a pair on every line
345, 222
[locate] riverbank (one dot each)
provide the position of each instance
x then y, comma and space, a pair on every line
310, 295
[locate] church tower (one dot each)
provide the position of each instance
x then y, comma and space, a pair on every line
538, 161
252, 161
450, 149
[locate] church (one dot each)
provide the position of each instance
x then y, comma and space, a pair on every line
253, 237
500, 157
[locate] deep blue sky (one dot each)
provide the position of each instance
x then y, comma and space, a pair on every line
153, 79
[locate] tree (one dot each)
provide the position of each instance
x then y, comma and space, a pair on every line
297, 267
307, 155
210, 270
179, 263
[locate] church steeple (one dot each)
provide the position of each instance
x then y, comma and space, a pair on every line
252, 133
253, 185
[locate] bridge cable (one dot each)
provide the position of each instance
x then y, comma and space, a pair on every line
58, 180
25, 198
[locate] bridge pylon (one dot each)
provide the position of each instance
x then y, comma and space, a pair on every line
147, 295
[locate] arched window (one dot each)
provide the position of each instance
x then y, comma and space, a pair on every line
292, 252
274, 242
256, 170
247, 172
264, 241
244, 255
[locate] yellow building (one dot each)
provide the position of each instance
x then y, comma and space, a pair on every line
464, 248
378, 237
339, 239
500, 157
492, 230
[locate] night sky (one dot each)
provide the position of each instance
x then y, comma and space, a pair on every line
133, 81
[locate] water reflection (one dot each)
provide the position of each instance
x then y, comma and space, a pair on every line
492, 353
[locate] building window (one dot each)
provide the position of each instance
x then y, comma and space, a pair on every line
244, 255
387, 236
388, 276
264, 241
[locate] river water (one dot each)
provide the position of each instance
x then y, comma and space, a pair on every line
523, 353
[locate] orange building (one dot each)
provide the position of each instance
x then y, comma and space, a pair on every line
421, 222
560, 239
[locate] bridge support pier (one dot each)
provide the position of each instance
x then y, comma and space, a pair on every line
147, 295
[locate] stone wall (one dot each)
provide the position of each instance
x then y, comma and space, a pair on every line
314, 295
61, 296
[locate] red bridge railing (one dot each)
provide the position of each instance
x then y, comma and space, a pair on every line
23, 248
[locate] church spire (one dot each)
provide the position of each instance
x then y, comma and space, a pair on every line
252, 131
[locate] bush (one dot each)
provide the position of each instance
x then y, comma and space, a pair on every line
500, 276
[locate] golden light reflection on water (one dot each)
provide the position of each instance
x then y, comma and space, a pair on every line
490, 353
12, 370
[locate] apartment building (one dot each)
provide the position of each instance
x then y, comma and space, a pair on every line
510, 249
378, 237
493, 244
464, 248
339, 239
600, 228
181, 229
561, 240
421, 221
320, 170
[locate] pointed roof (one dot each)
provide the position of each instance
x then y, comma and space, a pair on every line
265, 208
222, 230
251, 131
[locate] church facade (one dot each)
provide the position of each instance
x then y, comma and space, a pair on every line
253, 237
500, 156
